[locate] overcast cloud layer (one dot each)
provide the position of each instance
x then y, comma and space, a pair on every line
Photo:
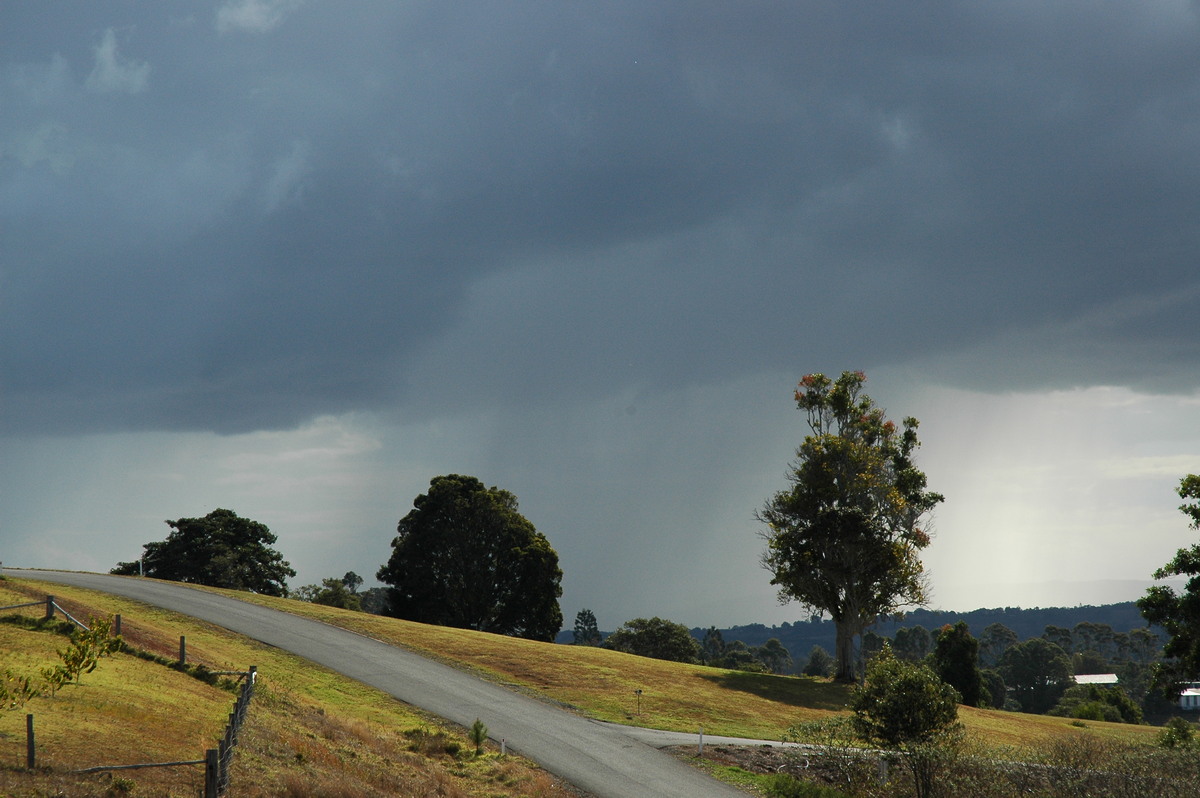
583, 251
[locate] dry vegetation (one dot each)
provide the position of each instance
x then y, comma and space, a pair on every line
313, 733
600, 684
309, 731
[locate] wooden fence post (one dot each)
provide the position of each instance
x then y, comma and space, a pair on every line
210, 773
30, 744
117, 625
49, 607
182, 650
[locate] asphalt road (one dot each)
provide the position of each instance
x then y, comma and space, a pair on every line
600, 758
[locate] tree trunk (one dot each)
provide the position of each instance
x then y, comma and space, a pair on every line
844, 654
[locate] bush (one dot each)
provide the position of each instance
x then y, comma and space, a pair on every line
907, 708
1097, 702
1178, 733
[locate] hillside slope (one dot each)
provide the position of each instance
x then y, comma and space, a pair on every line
309, 731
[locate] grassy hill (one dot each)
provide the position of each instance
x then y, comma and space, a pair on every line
312, 732
309, 731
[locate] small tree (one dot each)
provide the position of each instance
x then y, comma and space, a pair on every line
905, 707
820, 662
774, 655
1177, 733
956, 662
657, 638
479, 735
332, 592
712, 648
87, 647
587, 632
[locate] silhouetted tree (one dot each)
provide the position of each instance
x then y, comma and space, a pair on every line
587, 633
912, 643
352, 581
712, 648
219, 550
956, 660
465, 557
774, 655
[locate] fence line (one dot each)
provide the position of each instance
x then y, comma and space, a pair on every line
216, 760
51, 606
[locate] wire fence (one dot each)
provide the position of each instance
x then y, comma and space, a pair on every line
216, 761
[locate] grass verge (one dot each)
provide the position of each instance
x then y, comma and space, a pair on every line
310, 732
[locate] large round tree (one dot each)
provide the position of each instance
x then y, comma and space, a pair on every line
465, 557
845, 538
220, 550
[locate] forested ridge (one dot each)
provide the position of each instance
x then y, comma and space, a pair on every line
799, 637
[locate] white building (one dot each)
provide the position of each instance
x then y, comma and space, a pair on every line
1189, 698
1095, 678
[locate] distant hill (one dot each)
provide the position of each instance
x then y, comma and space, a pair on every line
801, 636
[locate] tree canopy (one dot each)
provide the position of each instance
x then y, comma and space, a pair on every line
334, 592
465, 557
845, 537
587, 632
1038, 672
955, 659
219, 550
904, 706
1179, 613
655, 637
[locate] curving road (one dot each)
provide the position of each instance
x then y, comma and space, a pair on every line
599, 758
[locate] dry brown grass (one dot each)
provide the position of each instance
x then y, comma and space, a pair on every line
314, 733
600, 683
309, 731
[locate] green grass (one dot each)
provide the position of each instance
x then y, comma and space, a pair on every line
313, 722
677, 697
309, 730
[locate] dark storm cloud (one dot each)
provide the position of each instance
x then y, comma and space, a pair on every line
238, 219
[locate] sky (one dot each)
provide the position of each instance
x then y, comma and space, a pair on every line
296, 258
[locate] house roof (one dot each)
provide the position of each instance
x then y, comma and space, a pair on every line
1096, 678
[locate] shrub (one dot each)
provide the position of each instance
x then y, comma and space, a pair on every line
1178, 733
906, 707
